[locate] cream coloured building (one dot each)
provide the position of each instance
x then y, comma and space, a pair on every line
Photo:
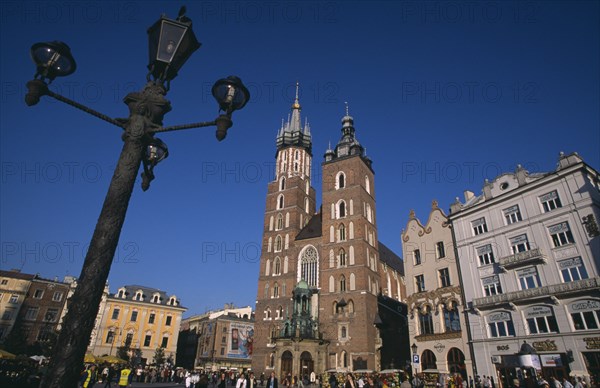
529, 254
141, 317
436, 312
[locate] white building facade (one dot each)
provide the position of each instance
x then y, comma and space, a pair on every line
529, 261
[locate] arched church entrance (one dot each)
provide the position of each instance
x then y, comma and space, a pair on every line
307, 365
287, 364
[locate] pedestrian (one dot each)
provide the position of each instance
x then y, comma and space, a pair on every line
90, 377
126, 377
578, 383
110, 374
566, 383
241, 381
272, 381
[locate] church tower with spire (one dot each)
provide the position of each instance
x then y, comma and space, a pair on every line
322, 275
290, 206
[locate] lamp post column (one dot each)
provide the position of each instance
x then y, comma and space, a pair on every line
147, 109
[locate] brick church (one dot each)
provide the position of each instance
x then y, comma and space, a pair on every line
328, 291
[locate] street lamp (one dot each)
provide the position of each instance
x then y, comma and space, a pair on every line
171, 42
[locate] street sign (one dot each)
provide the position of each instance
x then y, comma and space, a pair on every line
415, 358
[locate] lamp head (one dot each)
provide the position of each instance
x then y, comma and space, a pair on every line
52, 59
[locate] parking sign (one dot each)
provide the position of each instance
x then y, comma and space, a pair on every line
415, 358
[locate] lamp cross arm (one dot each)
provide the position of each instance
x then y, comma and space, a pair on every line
185, 126
37, 88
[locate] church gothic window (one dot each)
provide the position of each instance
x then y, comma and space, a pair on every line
280, 201
342, 283
282, 183
268, 267
341, 180
342, 232
341, 209
277, 266
309, 265
342, 257
367, 184
275, 290
278, 244
279, 222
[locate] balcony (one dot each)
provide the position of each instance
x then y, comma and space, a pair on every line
522, 258
536, 293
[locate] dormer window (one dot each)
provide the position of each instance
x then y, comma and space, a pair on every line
121, 293
172, 301
156, 298
139, 295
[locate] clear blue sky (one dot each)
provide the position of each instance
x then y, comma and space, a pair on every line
444, 95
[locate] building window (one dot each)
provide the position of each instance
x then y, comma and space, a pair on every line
440, 250
417, 256
165, 342
420, 283
57, 296
479, 226
51, 315
4, 282
342, 231
151, 318
491, 285
277, 266
541, 320
7, 315
279, 224
444, 277
342, 283
342, 257
342, 209
512, 215
115, 314
275, 290
44, 334
134, 315
224, 340
38, 294
147, 340
572, 270
501, 325
278, 244
486, 255
168, 321
550, 201
344, 332
528, 278
341, 180
110, 337
561, 234
31, 313
451, 319
14, 299
282, 184
585, 314
309, 263
280, 202
128, 339
222, 351
519, 244
426, 321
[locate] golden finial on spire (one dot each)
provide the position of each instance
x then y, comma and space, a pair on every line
297, 100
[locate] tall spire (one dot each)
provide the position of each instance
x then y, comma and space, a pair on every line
293, 133
348, 145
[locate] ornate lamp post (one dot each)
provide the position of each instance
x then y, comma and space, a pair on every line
172, 42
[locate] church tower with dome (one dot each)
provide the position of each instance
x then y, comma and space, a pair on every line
322, 274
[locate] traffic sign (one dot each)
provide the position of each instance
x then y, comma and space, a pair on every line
415, 358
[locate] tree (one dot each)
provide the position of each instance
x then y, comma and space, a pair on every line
159, 356
123, 352
16, 341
